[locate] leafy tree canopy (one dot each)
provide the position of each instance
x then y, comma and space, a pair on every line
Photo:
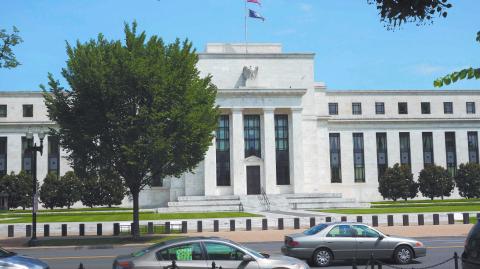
19, 189
138, 108
467, 180
435, 181
7, 42
397, 182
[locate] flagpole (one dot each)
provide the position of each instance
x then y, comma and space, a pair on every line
246, 46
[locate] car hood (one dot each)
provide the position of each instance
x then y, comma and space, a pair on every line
404, 239
29, 262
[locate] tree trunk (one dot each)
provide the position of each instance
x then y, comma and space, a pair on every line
136, 230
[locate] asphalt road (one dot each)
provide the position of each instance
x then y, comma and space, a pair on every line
439, 249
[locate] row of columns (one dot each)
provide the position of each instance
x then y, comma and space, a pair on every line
238, 178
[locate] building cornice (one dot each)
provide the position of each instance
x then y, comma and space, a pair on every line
398, 120
21, 94
261, 92
256, 56
402, 92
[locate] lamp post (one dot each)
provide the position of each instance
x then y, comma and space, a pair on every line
33, 149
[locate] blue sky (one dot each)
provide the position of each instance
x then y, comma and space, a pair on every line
353, 49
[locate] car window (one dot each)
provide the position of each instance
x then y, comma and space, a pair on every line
315, 229
473, 242
186, 252
364, 231
340, 231
5, 253
218, 251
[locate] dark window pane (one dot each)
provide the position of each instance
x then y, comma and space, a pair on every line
28, 110
358, 159
402, 108
473, 147
380, 108
382, 154
223, 151
281, 148
335, 158
470, 108
3, 111
405, 149
53, 155
251, 125
3, 156
427, 141
450, 147
447, 107
356, 108
26, 155
333, 108
425, 107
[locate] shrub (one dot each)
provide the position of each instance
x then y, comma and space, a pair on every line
397, 182
19, 189
468, 180
69, 190
435, 181
49, 191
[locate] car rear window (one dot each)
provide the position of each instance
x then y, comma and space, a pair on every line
315, 229
5, 253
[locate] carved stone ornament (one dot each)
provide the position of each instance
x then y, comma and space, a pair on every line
250, 72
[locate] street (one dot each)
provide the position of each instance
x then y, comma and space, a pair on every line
98, 257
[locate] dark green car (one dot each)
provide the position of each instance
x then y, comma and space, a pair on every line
325, 243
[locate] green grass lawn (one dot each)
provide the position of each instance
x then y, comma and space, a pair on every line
428, 201
117, 216
405, 209
88, 241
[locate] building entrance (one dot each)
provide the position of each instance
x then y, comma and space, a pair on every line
253, 179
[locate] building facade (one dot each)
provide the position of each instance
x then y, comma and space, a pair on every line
280, 132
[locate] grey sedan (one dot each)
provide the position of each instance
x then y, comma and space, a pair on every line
204, 252
324, 243
14, 261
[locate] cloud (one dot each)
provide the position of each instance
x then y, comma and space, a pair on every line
305, 7
428, 69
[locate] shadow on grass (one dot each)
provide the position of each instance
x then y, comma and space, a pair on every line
104, 242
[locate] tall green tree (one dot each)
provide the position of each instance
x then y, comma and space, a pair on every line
394, 13
19, 189
7, 42
49, 194
435, 181
138, 108
105, 189
397, 182
467, 180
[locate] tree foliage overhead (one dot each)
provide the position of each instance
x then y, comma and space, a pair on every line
467, 180
138, 108
435, 181
7, 42
393, 13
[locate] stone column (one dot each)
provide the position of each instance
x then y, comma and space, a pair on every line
210, 172
296, 150
237, 153
269, 159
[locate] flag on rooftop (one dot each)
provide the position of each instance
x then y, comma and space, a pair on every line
255, 1
255, 15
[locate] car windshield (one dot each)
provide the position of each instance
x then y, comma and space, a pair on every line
5, 253
315, 229
147, 250
254, 253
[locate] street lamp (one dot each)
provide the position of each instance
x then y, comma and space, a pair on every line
33, 149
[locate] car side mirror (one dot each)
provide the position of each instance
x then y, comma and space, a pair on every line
247, 258
381, 237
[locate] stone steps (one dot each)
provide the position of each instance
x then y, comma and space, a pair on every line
217, 208
208, 198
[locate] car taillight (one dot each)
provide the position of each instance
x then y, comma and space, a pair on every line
292, 243
419, 244
123, 265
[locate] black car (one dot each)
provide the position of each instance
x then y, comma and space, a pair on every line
471, 254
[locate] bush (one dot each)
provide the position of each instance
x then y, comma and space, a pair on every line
435, 181
69, 190
19, 189
468, 180
102, 190
397, 182
49, 191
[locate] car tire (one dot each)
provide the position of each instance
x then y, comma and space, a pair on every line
403, 255
322, 257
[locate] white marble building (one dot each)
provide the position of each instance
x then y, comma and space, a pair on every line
283, 133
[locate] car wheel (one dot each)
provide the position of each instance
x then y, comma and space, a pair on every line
403, 255
322, 257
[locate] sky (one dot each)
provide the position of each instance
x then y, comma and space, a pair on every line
353, 50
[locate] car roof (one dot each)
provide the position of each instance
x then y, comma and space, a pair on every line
195, 238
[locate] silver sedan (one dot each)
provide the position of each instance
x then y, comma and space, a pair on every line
13, 260
202, 253
324, 243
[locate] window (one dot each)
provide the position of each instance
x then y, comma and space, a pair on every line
333, 108
379, 108
357, 108
405, 149
223, 252
3, 156
364, 231
222, 139
427, 141
425, 107
335, 158
340, 231
358, 160
472, 147
382, 154
470, 108
447, 107
26, 155
281, 148
451, 153
53, 155
315, 229
186, 252
402, 108
27, 110
251, 127
3, 111
157, 181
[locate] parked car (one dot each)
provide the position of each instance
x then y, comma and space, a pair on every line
471, 254
15, 261
324, 243
204, 252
